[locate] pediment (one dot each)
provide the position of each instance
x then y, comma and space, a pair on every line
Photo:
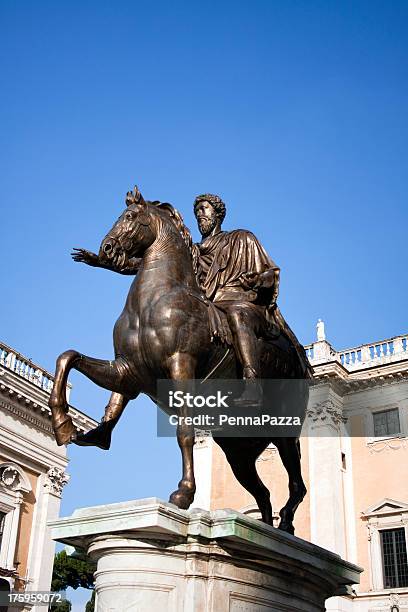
386, 506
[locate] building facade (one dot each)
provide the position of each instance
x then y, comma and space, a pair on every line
354, 460
32, 473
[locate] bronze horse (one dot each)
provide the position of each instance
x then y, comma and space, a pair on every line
163, 333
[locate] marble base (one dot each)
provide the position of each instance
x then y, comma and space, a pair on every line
151, 557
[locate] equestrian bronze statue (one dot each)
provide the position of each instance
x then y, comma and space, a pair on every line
193, 311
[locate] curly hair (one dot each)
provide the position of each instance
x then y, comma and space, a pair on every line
215, 202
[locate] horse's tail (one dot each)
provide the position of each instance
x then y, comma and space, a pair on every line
277, 317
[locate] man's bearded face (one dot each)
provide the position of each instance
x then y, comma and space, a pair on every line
206, 218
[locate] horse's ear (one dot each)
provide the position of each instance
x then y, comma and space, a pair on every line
134, 197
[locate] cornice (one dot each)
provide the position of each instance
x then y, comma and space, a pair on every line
352, 385
31, 452
30, 407
24, 415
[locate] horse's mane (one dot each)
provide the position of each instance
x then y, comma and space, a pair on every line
177, 220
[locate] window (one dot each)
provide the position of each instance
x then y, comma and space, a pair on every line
387, 522
386, 422
394, 556
2, 521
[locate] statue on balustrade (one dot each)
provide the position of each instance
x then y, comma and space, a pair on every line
193, 311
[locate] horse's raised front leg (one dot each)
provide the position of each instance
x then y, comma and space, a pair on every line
101, 435
182, 367
110, 375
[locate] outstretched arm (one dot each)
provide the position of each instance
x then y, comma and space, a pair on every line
91, 259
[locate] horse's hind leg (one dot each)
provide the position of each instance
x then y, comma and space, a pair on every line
101, 435
243, 465
107, 374
182, 367
289, 450
62, 423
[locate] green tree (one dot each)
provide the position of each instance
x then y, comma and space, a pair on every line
62, 606
72, 572
90, 606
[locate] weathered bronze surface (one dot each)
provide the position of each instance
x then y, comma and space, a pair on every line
183, 298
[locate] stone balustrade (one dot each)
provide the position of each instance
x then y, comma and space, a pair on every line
365, 355
24, 367
362, 356
309, 351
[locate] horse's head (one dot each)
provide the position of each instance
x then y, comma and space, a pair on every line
132, 233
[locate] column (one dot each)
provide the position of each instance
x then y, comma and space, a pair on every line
326, 487
42, 547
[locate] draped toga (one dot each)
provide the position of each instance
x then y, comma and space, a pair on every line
221, 260
224, 258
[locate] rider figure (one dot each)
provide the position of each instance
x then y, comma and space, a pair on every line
236, 274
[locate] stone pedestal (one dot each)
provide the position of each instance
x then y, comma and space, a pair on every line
151, 557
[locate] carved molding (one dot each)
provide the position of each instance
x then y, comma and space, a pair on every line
387, 445
26, 416
26, 407
202, 436
56, 479
395, 599
386, 603
268, 454
12, 478
326, 413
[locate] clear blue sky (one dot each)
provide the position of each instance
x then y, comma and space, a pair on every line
295, 112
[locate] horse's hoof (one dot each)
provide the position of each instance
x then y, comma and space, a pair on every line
182, 498
64, 431
100, 437
288, 527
